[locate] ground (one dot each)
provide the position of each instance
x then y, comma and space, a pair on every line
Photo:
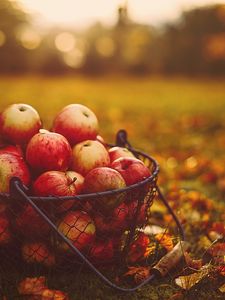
180, 122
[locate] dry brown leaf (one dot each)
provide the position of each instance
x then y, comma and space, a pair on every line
138, 273
192, 263
188, 281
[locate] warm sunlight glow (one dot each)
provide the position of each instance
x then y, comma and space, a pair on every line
74, 59
105, 46
65, 42
2, 38
85, 12
28, 38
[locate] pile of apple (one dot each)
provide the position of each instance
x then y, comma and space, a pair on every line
70, 160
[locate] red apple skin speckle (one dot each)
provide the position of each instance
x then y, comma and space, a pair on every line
60, 184
77, 123
79, 228
12, 166
19, 122
48, 151
133, 170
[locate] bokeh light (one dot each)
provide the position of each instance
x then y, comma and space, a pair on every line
2, 38
105, 46
65, 42
74, 58
29, 38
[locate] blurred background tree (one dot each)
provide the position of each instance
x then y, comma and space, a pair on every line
195, 44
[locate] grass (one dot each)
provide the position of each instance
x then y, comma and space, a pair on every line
171, 118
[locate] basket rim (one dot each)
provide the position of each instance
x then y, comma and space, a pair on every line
151, 178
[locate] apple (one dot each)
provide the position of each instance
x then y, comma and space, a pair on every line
100, 139
29, 223
18, 123
38, 252
132, 169
142, 214
15, 150
88, 155
48, 151
117, 152
57, 183
105, 179
116, 223
5, 234
77, 123
79, 228
12, 166
101, 251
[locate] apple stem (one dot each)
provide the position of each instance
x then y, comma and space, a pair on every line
74, 180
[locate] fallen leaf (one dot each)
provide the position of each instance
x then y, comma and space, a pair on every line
33, 285
138, 273
188, 281
165, 240
218, 253
222, 288
48, 294
221, 270
139, 249
192, 263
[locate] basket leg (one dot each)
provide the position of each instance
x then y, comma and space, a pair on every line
179, 226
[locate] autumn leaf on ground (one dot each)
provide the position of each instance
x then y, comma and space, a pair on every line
138, 273
192, 263
30, 286
188, 281
48, 294
221, 270
36, 289
218, 253
165, 240
139, 249
222, 288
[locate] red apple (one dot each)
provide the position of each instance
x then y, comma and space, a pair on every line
77, 123
15, 150
12, 166
133, 170
5, 234
101, 251
100, 139
105, 179
88, 155
116, 223
79, 228
29, 223
19, 122
142, 214
57, 183
38, 252
48, 151
117, 152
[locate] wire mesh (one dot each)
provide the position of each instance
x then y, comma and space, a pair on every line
61, 236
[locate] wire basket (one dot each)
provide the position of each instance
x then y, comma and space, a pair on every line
46, 235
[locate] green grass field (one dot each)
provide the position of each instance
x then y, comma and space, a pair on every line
177, 120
